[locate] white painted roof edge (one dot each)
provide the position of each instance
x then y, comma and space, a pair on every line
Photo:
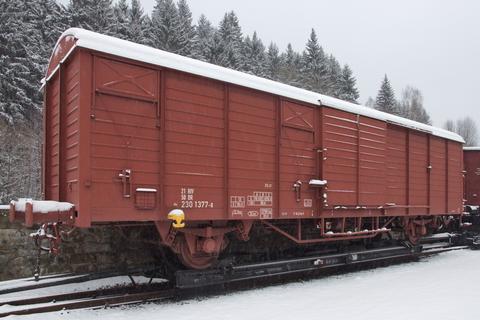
471, 148
122, 48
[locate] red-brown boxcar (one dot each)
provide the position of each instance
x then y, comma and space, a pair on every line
472, 175
133, 133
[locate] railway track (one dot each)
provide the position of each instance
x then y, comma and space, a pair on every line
87, 299
57, 280
190, 279
193, 279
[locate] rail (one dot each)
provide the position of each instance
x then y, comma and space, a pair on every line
86, 300
194, 278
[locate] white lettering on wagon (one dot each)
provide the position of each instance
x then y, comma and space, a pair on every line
260, 199
188, 201
307, 203
236, 212
265, 213
237, 202
252, 213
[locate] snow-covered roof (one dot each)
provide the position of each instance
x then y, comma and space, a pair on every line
122, 48
471, 148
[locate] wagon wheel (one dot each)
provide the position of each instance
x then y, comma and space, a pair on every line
411, 232
415, 229
193, 260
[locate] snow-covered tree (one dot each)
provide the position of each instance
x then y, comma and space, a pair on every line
121, 11
273, 62
314, 69
370, 102
165, 28
230, 35
348, 86
334, 77
20, 162
48, 18
216, 51
385, 100
203, 39
253, 56
291, 68
21, 64
138, 23
187, 30
96, 15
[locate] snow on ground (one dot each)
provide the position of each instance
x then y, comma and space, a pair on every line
445, 286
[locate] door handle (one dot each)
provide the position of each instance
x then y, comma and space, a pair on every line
125, 176
297, 187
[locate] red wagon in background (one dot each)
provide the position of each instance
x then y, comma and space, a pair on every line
472, 177
133, 134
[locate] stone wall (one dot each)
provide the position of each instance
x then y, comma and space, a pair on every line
105, 248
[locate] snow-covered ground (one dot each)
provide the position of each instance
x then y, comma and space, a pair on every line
446, 286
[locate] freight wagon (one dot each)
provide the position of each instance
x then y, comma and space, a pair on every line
472, 179
135, 134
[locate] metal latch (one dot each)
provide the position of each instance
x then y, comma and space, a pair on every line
125, 176
297, 186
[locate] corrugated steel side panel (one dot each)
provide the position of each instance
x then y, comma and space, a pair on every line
438, 175
340, 138
372, 155
455, 177
396, 166
418, 174
251, 153
195, 145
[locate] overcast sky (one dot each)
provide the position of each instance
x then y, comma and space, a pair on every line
433, 45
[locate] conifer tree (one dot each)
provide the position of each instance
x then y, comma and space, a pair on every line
137, 23
334, 77
370, 102
348, 89
253, 59
95, 15
187, 30
290, 71
48, 18
385, 100
21, 64
314, 69
203, 39
121, 12
215, 51
231, 41
273, 62
165, 27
